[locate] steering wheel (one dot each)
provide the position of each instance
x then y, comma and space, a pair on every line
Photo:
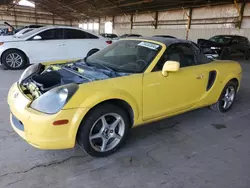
138, 65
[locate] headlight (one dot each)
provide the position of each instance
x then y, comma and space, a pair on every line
215, 48
55, 99
29, 71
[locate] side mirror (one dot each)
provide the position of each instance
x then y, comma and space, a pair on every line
37, 37
170, 66
91, 52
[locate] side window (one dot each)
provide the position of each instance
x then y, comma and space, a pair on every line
90, 36
58, 34
196, 48
201, 58
246, 41
243, 40
170, 54
51, 34
47, 35
182, 53
187, 55
74, 34
235, 40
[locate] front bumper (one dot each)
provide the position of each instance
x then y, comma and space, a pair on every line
37, 128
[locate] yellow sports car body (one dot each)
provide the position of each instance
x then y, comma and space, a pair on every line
96, 100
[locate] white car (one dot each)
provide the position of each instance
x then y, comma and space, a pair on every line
49, 43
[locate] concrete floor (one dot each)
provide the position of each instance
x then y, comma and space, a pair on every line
199, 149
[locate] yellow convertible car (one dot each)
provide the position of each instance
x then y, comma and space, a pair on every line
96, 100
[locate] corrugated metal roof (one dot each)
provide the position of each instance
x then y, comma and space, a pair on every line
87, 9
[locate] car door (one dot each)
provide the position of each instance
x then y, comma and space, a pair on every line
79, 43
244, 45
179, 90
236, 45
44, 46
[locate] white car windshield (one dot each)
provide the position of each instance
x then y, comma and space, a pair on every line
30, 33
132, 56
22, 32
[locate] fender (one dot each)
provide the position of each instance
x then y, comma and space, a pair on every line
100, 97
213, 95
88, 98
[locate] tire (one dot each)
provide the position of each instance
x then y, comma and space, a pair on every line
247, 55
93, 134
14, 59
225, 53
220, 105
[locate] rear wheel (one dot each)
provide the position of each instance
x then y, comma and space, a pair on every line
104, 130
14, 59
226, 99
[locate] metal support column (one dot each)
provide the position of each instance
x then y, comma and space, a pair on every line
189, 22
156, 19
113, 22
99, 21
243, 5
131, 23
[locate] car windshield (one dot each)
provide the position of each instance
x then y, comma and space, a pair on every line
30, 33
221, 39
22, 32
130, 56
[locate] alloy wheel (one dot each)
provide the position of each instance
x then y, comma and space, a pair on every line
228, 98
107, 132
14, 60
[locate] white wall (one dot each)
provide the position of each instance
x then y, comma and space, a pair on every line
206, 22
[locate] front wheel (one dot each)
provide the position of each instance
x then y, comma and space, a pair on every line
226, 99
14, 59
104, 130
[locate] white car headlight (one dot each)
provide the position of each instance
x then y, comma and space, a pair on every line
55, 99
29, 71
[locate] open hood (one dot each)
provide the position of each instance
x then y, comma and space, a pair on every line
78, 72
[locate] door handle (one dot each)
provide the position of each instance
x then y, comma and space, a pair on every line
61, 44
199, 77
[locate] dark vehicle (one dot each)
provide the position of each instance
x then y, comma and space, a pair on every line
165, 36
4, 31
222, 46
110, 36
130, 35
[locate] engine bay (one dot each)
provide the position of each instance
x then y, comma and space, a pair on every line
49, 77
